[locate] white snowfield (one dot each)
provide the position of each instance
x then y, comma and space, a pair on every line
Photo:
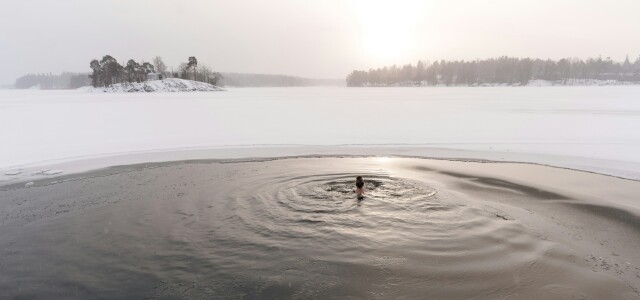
164, 85
46, 133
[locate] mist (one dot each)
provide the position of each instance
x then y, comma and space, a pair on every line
319, 39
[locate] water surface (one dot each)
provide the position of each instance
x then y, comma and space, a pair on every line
294, 229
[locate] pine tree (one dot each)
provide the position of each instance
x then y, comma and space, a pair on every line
146, 69
193, 64
131, 70
96, 79
626, 66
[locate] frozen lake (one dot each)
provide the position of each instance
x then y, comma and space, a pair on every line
551, 125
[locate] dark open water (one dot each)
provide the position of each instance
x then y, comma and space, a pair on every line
279, 230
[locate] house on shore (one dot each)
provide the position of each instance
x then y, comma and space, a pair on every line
155, 76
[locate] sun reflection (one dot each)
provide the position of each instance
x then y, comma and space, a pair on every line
383, 159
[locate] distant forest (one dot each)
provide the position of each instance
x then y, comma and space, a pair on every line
504, 70
50, 81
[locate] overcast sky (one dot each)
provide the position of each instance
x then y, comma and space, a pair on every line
322, 39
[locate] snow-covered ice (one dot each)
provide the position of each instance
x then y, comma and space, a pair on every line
591, 128
48, 172
578, 82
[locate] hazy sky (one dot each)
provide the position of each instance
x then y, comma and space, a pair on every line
324, 38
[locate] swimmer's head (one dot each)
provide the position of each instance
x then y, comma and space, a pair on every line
359, 182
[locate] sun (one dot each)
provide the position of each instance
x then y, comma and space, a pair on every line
386, 44
388, 27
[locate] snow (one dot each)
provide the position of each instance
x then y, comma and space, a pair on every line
538, 82
590, 128
49, 172
164, 85
579, 82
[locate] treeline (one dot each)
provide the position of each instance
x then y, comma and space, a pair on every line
50, 81
503, 70
108, 71
191, 70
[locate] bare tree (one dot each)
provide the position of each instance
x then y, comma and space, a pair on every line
159, 65
183, 71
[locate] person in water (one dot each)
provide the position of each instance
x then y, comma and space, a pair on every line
360, 187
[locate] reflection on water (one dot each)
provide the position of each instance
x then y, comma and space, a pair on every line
250, 230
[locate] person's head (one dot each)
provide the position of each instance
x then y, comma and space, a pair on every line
359, 182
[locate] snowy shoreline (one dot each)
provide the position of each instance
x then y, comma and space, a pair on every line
570, 82
165, 85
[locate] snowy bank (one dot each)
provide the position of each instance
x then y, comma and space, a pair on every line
530, 83
164, 85
593, 129
579, 82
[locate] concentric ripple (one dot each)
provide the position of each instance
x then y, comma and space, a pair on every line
396, 212
325, 208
